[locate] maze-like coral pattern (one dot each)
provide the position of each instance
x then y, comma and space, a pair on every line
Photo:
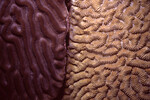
32, 49
109, 50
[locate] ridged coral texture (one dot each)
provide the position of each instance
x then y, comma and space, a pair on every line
109, 50
32, 49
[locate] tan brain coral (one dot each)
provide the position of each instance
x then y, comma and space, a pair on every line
109, 50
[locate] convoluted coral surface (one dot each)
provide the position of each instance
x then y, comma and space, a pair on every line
109, 50
32, 49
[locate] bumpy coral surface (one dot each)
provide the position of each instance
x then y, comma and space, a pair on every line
109, 50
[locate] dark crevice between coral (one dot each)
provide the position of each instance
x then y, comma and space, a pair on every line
68, 4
